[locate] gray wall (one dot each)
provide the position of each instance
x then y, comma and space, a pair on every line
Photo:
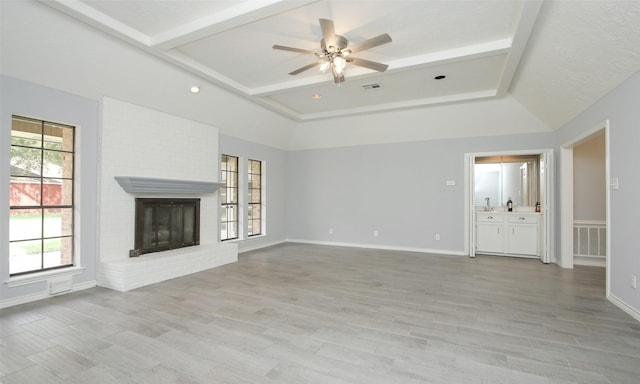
589, 183
396, 189
275, 195
620, 107
27, 99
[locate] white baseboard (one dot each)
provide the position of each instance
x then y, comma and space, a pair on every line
624, 306
252, 247
378, 246
44, 295
590, 263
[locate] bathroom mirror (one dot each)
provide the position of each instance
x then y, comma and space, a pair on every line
502, 177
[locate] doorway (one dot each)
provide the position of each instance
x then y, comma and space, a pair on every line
567, 190
545, 198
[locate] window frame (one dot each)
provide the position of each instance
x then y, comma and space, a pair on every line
41, 206
226, 205
255, 199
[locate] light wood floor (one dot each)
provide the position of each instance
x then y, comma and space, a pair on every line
317, 314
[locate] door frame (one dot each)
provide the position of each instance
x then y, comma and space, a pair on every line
547, 200
565, 259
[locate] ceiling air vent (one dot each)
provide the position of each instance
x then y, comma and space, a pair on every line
371, 86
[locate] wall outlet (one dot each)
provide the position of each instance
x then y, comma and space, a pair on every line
633, 281
375, 233
437, 236
331, 231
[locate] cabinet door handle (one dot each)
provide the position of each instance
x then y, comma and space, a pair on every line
498, 230
513, 231
490, 217
521, 218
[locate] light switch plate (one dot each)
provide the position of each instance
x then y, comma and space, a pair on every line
613, 184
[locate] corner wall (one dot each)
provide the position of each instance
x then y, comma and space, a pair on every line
620, 107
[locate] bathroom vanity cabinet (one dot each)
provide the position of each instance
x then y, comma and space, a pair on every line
508, 233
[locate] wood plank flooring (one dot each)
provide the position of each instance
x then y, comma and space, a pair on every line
298, 313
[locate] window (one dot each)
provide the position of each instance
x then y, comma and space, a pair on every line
255, 198
229, 198
41, 196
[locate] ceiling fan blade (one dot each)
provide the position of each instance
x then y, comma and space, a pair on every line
291, 49
328, 32
372, 42
305, 68
368, 64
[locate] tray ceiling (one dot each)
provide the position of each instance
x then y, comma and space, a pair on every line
555, 57
477, 45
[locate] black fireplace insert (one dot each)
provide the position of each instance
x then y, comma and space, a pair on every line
163, 224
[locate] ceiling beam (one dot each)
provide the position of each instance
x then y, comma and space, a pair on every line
233, 17
524, 27
80, 10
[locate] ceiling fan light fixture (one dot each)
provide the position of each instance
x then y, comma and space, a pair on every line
335, 54
325, 66
339, 63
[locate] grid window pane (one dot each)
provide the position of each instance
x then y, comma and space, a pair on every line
232, 230
255, 167
256, 227
25, 224
232, 195
255, 182
57, 192
255, 195
41, 195
229, 197
254, 217
26, 132
232, 213
25, 192
58, 222
57, 252
26, 161
255, 210
25, 256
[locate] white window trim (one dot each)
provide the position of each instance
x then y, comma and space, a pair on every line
263, 193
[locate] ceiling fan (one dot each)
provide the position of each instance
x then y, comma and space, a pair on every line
335, 53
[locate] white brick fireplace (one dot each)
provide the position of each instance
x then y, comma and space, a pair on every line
140, 143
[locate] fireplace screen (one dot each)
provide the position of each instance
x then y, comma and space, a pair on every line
163, 224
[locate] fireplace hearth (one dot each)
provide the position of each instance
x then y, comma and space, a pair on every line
162, 224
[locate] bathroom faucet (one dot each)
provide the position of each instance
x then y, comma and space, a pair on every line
488, 207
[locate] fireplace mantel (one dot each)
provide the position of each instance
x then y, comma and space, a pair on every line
134, 184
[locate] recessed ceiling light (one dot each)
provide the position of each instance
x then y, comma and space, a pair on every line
195, 89
440, 77
316, 96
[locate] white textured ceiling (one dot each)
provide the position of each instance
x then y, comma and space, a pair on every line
555, 57
578, 52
